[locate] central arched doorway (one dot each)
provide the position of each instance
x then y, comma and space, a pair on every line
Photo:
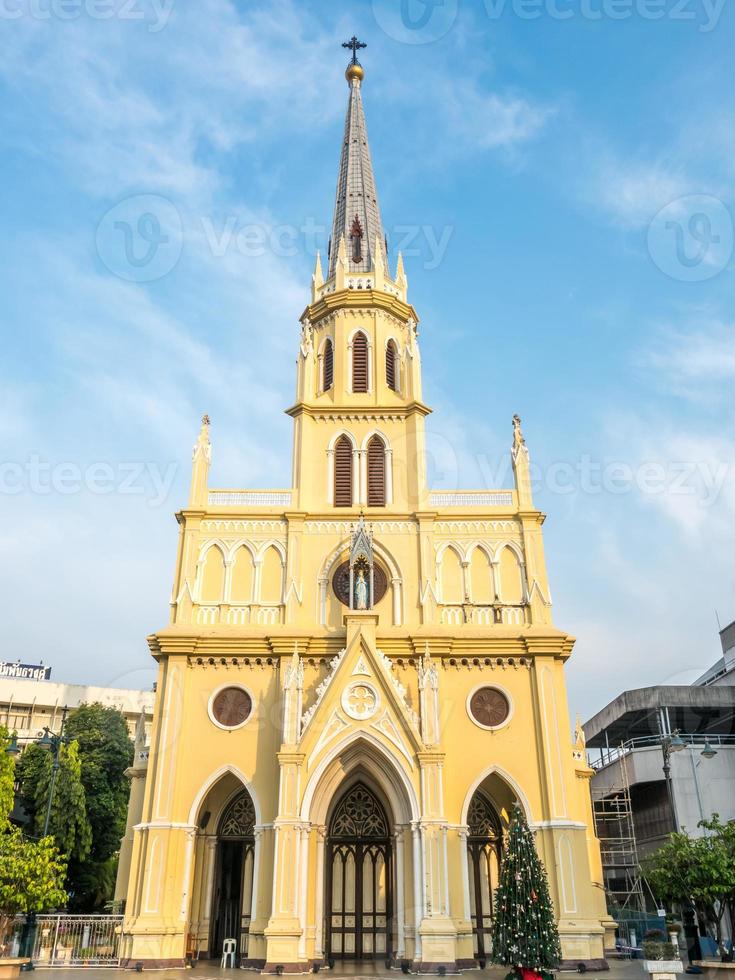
233, 879
484, 848
359, 878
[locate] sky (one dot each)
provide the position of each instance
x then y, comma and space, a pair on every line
560, 175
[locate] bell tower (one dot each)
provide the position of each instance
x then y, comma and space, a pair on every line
358, 415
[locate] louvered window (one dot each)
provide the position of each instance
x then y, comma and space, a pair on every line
376, 472
343, 473
391, 366
360, 363
328, 367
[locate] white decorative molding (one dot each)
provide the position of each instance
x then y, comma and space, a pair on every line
321, 689
345, 527
360, 700
398, 687
387, 727
224, 524
470, 498
361, 667
358, 417
249, 498
475, 527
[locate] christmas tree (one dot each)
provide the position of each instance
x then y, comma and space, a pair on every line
524, 932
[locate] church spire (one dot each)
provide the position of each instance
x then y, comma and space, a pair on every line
356, 210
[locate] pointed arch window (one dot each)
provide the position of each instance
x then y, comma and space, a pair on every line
391, 366
328, 366
376, 472
359, 363
343, 473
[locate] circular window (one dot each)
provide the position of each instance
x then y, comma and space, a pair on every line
341, 583
489, 707
231, 707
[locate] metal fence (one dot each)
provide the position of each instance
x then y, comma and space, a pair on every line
77, 940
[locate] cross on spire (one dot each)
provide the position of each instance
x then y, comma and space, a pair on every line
354, 45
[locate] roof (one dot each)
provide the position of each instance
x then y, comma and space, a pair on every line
635, 713
357, 197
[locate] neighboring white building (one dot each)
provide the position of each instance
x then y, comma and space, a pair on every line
27, 706
722, 673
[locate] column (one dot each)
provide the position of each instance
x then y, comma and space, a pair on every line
283, 933
388, 477
400, 893
321, 838
418, 891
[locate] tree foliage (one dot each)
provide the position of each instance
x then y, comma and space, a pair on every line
524, 932
105, 751
68, 823
31, 872
700, 870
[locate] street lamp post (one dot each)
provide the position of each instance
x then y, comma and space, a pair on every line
54, 742
671, 743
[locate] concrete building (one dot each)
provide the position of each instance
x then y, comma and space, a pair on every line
29, 705
663, 760
722, 672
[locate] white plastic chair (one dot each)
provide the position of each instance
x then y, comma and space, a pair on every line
229, 948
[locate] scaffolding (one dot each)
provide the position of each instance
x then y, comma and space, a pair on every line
613, 814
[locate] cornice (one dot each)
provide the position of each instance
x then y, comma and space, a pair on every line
353, 299
359, 413
451, 648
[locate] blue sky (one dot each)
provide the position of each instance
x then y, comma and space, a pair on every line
578, 174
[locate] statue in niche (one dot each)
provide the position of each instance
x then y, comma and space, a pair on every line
361, 591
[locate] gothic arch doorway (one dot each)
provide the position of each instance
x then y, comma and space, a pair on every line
484, 849
233, 879
359, 885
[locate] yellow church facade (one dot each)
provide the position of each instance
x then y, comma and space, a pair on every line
360, 676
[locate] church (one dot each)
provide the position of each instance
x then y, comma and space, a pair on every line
360, 677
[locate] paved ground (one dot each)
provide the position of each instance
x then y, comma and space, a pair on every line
619, 970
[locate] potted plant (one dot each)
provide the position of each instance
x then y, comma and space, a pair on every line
660, 957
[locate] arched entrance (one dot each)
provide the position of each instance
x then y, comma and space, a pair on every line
233, 877
359, 878
484, 848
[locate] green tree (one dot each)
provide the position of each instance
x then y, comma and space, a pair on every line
31, 872
700, 870
68, 823
105, 751
524, 932
7, 778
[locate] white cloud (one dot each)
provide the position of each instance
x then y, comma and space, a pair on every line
634, 192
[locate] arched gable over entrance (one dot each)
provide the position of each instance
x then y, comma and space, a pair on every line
362, 761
